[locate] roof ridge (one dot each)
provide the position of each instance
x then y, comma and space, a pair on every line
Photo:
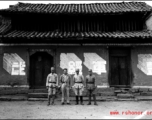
86, 3
94, 7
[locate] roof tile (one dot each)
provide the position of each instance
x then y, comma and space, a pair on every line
81, 8
57, 34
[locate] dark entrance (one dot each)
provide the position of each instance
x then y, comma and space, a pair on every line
119, 67
40, 64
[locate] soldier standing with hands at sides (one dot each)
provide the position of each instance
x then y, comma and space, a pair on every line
90, 86
65, 81
78, 86
51, 84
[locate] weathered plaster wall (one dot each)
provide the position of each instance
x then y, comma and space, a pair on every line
149, 23
5, 77
102, 79
141, 78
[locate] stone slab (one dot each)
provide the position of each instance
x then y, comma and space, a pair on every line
105, 89
37, 95
144, 98
146, 93
128, 99
13, 98
134, 90
103, 98
125, 95
117, 91
143, 89
136, 94
150, 89
108, 98
106, 94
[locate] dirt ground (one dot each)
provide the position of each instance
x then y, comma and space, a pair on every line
39, 110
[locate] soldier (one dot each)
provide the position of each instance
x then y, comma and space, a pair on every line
78, 86
65, 86
51, 84
90, 86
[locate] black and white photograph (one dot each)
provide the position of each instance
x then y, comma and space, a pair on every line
75, 59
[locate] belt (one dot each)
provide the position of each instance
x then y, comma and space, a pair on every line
90, 82
52, 82
64, 82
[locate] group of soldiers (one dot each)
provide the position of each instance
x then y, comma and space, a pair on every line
65, 82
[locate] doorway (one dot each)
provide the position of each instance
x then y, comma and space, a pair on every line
119, 62
40, 64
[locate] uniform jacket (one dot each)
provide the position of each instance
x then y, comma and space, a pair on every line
65, 79
52, 78
90, 82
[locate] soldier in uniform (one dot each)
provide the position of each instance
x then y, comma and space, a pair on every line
65, 81
78, 86
90, 86
52, 84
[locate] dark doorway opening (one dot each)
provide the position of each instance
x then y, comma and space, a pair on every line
120, 67
40, 64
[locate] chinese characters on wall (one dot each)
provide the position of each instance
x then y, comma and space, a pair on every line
70, 61
95, 62
145, 63
92, 61
14, 64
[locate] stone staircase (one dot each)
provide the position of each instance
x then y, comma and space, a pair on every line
103, 94
124, 94
41, 94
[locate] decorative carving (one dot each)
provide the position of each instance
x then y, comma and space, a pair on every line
49, 51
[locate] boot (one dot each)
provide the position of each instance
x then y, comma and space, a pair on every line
81, 99
53, 98
94, 98
89, 100
77, 100
49, 97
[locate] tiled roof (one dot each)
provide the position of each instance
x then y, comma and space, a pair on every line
80, 8
56, 34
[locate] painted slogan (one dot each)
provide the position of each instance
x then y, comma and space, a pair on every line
92, 61
14, 64
95, 62
145, 63
71, 61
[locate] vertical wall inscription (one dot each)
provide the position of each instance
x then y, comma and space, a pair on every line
95, 62
92, 61
145, 63
70, 61
14, 64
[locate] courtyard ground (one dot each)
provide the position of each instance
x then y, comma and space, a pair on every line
104, 110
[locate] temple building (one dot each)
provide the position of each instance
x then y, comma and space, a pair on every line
112, 39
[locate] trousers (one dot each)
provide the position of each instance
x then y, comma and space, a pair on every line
78, 89
51, 91
65, 93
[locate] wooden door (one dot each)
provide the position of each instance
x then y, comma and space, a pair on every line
40, 64
119, 69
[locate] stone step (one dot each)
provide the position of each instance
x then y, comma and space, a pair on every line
122, 90
146, 93
45, 90
99, 99
44, 95
37, 91
37, 95
126, 99
144, 98
106, 94
120, 95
